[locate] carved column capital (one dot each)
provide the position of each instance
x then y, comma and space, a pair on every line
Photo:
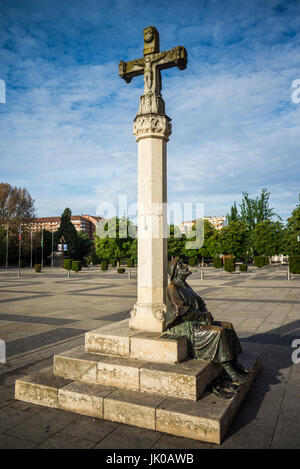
152, 125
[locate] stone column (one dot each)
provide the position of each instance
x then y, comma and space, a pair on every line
152, 132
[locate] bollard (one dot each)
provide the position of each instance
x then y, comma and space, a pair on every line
2, 351
288, 273
129, 273
201, 275
19, 273
68, 274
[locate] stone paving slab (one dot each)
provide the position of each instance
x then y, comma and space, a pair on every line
258, 418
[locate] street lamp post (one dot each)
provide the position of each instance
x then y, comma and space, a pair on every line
289, 274
7, 246
31, 248
52, 249
62, 241
42, 244
20, 234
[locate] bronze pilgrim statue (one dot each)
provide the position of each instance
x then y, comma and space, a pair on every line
209, 340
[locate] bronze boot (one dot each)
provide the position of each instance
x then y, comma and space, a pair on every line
235, 377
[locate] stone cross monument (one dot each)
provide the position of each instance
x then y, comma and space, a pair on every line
152, 128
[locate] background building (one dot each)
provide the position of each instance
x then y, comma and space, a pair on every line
217, 222
85, 223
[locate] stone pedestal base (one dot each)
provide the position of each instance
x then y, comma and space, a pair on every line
148, 317
167, 397
120, 340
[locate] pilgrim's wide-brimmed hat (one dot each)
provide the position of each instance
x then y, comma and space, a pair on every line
172, 266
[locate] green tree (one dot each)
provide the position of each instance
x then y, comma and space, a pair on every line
268, 238
234, 239
16, 205
37, 246
234, 216
16, 208
85, 245
196, 238
176, 242
209, 232
117, 243
132, 253
254, 211
92, 257
291, 243
214, 246
69, 232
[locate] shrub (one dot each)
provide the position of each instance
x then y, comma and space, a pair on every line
113, 262
67, 264
294, 264
130, 262
247, 260
121, 270
38, 267
243, 268
104, 265
76, 266
229, 264
217, 262
192, 261
261, 261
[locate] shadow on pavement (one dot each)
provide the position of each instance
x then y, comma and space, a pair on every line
264, 400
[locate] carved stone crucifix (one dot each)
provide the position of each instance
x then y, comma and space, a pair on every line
152, 129
150, 66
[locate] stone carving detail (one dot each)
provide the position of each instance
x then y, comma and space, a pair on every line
151, 104
152, 126
133, 312
160, 312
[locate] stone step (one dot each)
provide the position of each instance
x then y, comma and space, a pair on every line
186, 380
207, 419
117, 339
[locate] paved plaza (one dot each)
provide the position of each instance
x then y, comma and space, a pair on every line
45, 314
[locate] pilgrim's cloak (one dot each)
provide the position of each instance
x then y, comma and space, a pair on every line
187, 315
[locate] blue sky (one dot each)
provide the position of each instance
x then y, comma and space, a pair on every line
66, 127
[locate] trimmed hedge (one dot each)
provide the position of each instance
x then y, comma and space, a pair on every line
260, 261
243, 268
294, 264
113, 262
130, 262
38, 267
121, 270
192, 261
229, 264
68, 264
104, 265
217, 262
76, 266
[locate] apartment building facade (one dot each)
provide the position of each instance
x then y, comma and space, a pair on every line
217, 222
85, 223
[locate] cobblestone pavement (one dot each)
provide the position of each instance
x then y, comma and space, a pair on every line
45, 314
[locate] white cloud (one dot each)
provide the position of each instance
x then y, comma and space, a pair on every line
66, 130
